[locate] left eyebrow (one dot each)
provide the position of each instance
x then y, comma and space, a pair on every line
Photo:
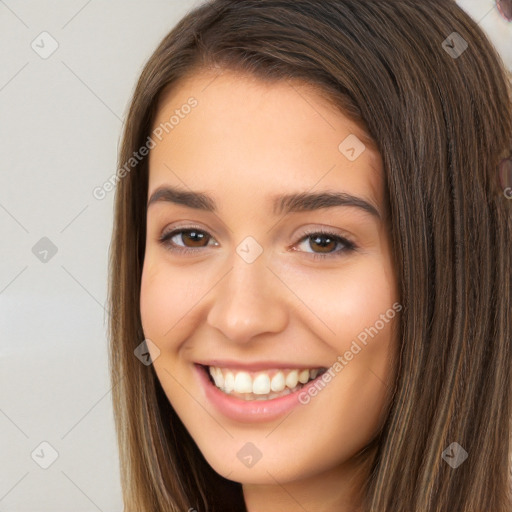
307, 201
282, 204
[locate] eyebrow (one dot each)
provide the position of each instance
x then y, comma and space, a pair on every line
282, 204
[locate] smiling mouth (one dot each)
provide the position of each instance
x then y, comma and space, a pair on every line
261, 385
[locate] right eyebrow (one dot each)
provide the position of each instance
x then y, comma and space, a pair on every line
196, 200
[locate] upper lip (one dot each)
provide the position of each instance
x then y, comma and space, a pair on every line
256, 365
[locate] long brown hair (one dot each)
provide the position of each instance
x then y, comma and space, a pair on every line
440, 115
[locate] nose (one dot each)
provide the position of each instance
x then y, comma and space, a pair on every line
248, 301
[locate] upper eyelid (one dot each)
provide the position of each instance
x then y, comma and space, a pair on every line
176, 230
307, 231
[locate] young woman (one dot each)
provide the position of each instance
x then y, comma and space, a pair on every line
310, 279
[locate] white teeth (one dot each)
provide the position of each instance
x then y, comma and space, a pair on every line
216, 373
292, 378
248, 384
229, 382
243, 383
219, 381
277, 383
304, 376
261, 384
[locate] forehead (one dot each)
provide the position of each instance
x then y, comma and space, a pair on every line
246, 136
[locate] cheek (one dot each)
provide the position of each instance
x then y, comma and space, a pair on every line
343, 304
167, 298
154, 300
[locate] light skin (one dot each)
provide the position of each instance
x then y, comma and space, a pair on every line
245, 142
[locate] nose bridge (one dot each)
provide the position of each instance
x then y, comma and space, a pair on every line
247, 300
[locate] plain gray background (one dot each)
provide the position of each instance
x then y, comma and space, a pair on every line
61, 117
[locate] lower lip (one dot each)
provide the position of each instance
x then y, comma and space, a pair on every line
249, 411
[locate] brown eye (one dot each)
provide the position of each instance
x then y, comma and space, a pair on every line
196, 238
190, 239
326, 243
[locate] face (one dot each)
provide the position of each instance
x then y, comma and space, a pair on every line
288, 303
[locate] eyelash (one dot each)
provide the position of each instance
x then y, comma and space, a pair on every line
349, 246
